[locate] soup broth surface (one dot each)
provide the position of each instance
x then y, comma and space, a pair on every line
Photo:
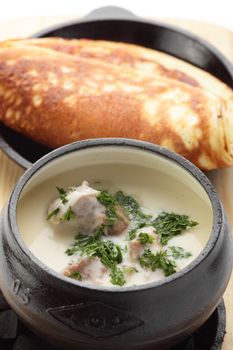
154, 190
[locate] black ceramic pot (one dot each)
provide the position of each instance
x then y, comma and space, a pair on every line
73, 315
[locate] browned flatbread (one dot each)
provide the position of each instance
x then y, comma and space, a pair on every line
128, 55
55, 92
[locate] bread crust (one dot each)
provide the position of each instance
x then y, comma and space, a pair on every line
55, 95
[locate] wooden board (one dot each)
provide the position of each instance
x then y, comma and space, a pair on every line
222, 179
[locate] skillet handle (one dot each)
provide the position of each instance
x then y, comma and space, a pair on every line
110, 12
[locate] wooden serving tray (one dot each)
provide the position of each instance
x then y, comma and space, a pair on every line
222, 179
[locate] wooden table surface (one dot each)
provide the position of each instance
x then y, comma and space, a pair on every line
222, 179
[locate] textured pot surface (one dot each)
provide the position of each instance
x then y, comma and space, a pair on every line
70, 314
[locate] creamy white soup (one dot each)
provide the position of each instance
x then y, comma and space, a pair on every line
115, 224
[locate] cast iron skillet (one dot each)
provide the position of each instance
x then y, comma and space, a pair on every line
117, 24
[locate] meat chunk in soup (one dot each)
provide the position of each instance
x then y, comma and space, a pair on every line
80, 209
121, 223
88, 268
136, 246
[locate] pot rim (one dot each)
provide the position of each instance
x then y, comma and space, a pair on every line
218, 215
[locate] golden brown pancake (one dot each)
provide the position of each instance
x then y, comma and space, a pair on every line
128, 55
55, 92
